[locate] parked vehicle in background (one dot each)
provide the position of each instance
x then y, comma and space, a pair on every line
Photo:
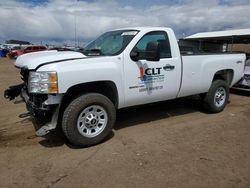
244, 83
1, 53
17, 51
10, 46
121, 68
4, 51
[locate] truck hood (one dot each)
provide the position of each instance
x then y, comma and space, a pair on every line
33, 60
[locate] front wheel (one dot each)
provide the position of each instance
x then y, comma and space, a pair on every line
88, 119
216, 98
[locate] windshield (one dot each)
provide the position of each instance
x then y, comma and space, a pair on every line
16, 48
110, 43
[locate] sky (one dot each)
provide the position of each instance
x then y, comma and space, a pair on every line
53, 21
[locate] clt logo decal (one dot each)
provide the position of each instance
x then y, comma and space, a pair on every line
149, 72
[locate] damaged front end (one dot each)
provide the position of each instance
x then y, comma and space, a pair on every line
13, 91
39, 106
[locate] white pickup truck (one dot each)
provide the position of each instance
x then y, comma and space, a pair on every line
81, 91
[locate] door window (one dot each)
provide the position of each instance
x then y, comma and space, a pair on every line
161, 37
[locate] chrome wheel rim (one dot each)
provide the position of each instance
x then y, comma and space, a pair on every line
92, 121
220, 97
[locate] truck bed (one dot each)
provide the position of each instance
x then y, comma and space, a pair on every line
199, 69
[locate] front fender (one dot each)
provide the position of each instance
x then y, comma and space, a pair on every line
71, 73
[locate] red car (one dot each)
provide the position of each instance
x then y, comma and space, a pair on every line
17, 51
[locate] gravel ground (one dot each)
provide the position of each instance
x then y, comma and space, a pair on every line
168, 144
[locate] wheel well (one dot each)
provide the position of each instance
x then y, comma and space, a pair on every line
106, 88
226, 75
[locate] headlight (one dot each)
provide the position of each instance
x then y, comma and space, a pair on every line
43, 82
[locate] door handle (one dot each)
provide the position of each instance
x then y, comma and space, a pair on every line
168, 67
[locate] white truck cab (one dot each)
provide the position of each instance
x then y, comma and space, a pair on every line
121, 68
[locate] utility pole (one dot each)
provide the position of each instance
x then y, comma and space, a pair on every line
75, 23
75, 29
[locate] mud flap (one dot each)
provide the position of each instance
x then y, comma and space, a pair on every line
13, 91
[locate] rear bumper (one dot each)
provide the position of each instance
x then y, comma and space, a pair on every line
12, 55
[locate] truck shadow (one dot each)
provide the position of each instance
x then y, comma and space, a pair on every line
56, 139
136, 115
240, 92
156, 111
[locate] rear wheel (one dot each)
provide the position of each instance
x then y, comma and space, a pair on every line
88, 119
216, 98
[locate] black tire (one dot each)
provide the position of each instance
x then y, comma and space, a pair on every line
73, 111
209, 101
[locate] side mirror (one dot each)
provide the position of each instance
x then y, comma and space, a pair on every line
153, 51
134, 55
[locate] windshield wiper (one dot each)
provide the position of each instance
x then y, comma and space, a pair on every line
93, 51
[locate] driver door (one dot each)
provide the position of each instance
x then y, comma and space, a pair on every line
151, 81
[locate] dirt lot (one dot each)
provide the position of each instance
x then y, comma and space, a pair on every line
170, 144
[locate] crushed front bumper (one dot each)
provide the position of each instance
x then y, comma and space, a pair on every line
42, 106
